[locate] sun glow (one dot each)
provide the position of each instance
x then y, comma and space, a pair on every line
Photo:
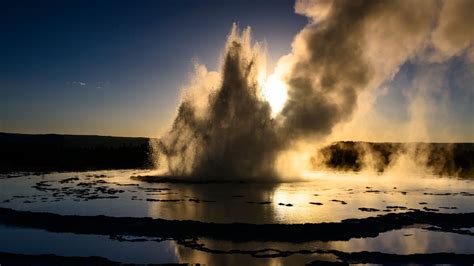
275, 93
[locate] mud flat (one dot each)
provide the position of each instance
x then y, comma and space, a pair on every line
345, 258
344, 230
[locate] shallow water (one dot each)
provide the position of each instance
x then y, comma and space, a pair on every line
404, 241
36, 242
325, 198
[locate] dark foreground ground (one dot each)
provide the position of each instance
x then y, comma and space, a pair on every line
186, 233
345, 257
52, 152
295, 233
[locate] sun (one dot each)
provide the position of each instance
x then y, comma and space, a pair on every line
275, 93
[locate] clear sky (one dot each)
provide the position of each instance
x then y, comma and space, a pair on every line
116, 67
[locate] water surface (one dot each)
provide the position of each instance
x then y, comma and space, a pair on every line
326, 198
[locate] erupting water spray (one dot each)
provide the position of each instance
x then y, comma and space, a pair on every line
241, 124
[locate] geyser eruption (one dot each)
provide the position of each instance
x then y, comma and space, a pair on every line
226, 129
235, 137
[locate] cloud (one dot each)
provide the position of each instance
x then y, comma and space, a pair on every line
79, 83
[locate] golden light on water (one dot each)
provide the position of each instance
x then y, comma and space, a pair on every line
275, 92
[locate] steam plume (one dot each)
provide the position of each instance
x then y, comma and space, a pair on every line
225, 129
236, 136
349, 46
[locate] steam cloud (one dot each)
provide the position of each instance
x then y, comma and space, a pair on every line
338, 55
224, 128
235, 137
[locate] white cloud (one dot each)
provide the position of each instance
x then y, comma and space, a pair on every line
78, 83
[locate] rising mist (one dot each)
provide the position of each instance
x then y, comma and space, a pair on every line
224, 127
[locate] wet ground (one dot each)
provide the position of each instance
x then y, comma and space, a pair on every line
325, 198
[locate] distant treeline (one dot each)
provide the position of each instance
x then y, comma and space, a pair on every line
438, 158
51, 152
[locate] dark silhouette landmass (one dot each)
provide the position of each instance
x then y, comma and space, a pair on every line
52, 152
439, 158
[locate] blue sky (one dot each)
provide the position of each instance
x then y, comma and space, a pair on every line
116, 67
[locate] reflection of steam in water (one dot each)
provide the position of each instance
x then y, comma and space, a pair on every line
291, 202
218, 203
189, 255
185, 254
403, 242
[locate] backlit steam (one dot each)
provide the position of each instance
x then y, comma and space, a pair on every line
236, 137
349, 46
238, 123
